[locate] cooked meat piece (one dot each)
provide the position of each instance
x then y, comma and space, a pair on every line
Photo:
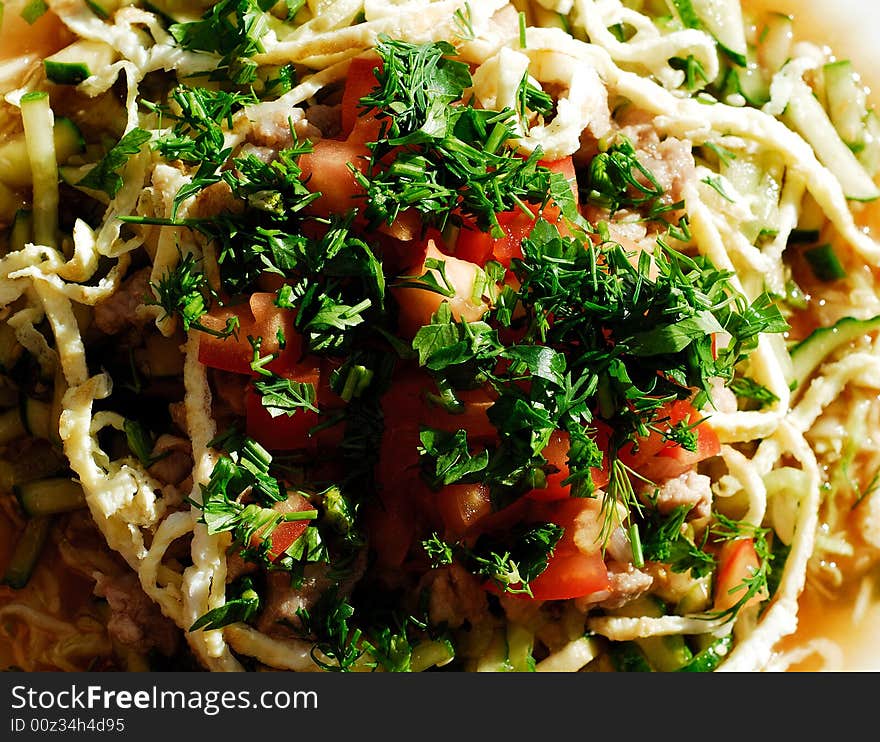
689, 489
125, 307
456, 597
627, 584
229, 393
135, 620
176, 463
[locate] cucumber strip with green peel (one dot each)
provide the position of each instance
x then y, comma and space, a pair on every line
806, 115
723, 19
520, 645
495, 658
759, 181
27, 552
38, 134
628, 657
775, 41
812, 351
15, 167
50, 496
104, 9
750, 83
824, 263
22, 230
36, 417
708, 659
428, 654
78, 61
11, 427
847, 102
37, 461
663, 653
869, 155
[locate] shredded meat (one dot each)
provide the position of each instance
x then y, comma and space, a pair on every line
229, 393
268, 125
135, 620
456, 597
627, 584
671, 160
284, 601
689, 489
176, 463
124, 308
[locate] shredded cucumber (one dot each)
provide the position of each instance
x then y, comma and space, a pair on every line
50, 496
38, 132
775, 41
723, 19
27, 552
846, 100
78, 61
806, 115
811, 352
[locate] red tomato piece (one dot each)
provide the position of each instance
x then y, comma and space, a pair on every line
359, 82
658, 459
286, 532
737, 562
326, 169
462, 506
480, 247
260, 318
281, 433
556, 453
571, 574
294, 432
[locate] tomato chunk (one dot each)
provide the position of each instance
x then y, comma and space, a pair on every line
294, 432
480, 247
286, 532
658, 459
556, 453
260, 318
737, 562
571, 574
359, 82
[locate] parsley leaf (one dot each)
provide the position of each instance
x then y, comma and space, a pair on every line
242, 608
105, 175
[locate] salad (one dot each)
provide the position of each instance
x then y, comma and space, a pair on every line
429, 335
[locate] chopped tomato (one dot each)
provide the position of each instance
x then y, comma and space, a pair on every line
571, 571
326, 170
281, 433
737, 562
359, 81
556, 453
461, 506
571, 574
286, 532
480, 247
418, 305
294, 432
659, 459
260, 318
